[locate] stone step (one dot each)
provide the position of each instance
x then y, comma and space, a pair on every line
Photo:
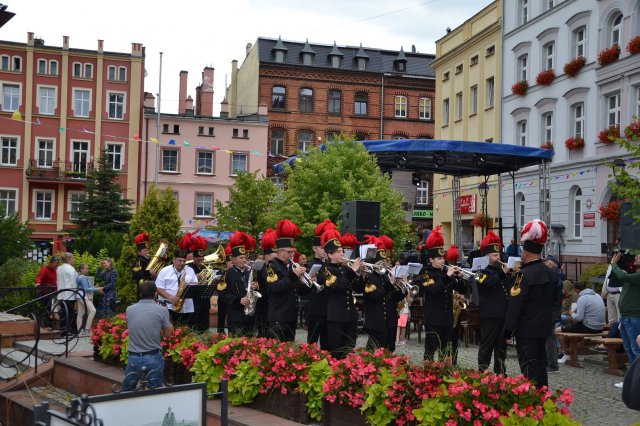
56, 346
12, 357
10, 339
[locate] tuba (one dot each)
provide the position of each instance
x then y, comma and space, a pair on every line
212, 263
459, 304
157, 261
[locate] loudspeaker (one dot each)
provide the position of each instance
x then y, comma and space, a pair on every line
361, 218
629, 231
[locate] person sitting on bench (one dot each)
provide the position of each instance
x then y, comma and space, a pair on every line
588, 317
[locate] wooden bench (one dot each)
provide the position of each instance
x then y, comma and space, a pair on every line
614, 358
576, 344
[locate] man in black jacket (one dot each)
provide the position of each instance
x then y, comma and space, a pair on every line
531, 304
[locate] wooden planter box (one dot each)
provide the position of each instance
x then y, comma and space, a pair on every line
341, 415
112, 360
176, 372
292, 406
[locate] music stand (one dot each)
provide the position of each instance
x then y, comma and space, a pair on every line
197, 291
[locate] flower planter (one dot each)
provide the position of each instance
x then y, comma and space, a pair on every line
292, 406
633, 46
176, 372
520, 88
609, 55
110, 360
341, 415
572, 67
608, 135
545, 78
574, 143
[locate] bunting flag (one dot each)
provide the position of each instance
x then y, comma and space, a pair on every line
37, 122
154, 140
187, 144
85, 130
215, 148
172, 141
61, 129
137, 138
17, 116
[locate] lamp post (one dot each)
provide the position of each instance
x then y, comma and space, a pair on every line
482, 188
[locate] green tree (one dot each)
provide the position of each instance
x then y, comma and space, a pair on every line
158, 216
626, 184
15, 236
321, 181
103, 208
250, 199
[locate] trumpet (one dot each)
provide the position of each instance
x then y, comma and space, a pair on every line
378, 267
516, 266
307, 280
402, 284
466, 274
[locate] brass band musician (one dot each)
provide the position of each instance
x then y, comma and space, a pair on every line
140, 271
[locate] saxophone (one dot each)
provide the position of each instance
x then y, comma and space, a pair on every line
459, 304
252, 295
182, 286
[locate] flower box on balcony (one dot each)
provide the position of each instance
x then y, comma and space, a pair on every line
547, 145
546, 77
609, 55
572, 67
609, 135
610, 211
574, 143
633, 46
520, 88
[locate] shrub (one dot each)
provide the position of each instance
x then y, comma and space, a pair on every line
572, 67
19, 274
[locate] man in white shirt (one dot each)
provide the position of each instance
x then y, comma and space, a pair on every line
66, 275
167, 283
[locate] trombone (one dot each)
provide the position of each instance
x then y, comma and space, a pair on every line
466, 274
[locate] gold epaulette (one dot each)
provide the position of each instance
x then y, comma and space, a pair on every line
369, 288
330, 278
272, 277
137, 268
222, 285
482, 277
427, 280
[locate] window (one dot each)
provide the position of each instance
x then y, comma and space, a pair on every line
82, 70
204, 204
400, 106
307, 58
522, 133
335, 61
53, 67
548, 51
334, 105
615, 33
42, 66
238, 163
81, 102
10, 97
211, 129
75, 202
44, 153
398, 136
520, 210
170, 160
332, 136
8, 201
424, 107
473, 107
576, 213
77, 69
459, 68
47, 100
79, 155
305, 140
44, 204
245, 133
4, 63
550, 4
200, 130
115, 155
523, 61
205, 162
637, 106
165, 128
491, 85
579, 41
523, 17
111, 72
278, 181
362, 64
490, 50
459, 106
360, 105
473, 61
278, 97
422, 192
122, 73
306, 100
234, 133
613, 110
279, 56
8, 151
176, 129
577, 116
17, 63
276, 146
445, 76
445, 112
88, 70
547, 128
116, 105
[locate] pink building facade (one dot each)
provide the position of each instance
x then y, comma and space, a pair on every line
198, 155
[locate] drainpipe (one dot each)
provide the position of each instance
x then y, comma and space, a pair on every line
382, 108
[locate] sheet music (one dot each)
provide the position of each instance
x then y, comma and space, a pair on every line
512, 261
348, 253
364, 248
414, 268
480, 263
315, 269
401, 271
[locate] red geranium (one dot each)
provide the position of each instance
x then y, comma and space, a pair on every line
574, 143
520, 88
480, 220
633, 46
609, 55
545, 77
610, 212
608, 135
632, 131
572, 67
547, 145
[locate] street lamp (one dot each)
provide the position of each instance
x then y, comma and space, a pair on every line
483, 188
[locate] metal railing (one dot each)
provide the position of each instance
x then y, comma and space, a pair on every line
60, 170
574, 268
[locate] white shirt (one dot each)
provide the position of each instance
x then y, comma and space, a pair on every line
168, 279
67, 275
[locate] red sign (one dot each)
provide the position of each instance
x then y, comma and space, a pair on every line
589, 223
468, 204
590, 215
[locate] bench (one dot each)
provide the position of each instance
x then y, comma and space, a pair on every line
576, 344
614, 358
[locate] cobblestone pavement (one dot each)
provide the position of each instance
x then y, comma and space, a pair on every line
597, 401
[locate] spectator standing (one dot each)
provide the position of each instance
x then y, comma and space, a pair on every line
109, 275
553, 263
85, 302
513, 249
47, 283
66, 276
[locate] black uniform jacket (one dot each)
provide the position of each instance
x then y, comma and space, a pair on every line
380, 302
231, 288
140, 270
317, 302
529, 312
282, 286
437, 289
340, 283
493, 286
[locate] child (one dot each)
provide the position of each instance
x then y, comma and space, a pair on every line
84, 288
403, 319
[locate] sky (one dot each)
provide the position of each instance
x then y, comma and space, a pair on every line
194, 34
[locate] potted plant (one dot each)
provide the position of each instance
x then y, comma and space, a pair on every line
633, 46
545, 77
520, 88
632, 131
480, 220
574, 143
547, 145
609, 55
608, 135
572, 67
610, 211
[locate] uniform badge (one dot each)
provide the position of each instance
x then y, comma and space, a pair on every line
369, 288
221, 286
483, 277
331, 279
272, 277
427, 280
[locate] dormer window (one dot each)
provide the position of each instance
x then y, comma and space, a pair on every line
279, 51
335, 61
307, 54
362, 64
279, 56
361, 59
402, 66
306, 58
401, 61
336, 56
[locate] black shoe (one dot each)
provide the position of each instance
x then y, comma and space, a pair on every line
553, 370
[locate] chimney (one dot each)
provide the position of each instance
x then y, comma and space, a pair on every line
248, 48
65, 42
189, 106
182, 97
204, 99
100, 46
224, 109
30, 39
149, 100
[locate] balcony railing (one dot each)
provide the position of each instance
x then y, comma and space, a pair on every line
58, 170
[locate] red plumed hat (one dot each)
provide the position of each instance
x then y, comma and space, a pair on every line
141, 240
388, 244
227, 250
331, 240
491, 244
327, 224
452, 254
435, 243
268, 241
198, 246
349, 240
533, 236
184, 246
296, 255
241, 243
286, 231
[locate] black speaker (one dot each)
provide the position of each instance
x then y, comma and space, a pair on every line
629, 231
361, 218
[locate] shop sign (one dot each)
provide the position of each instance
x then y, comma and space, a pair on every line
422, 214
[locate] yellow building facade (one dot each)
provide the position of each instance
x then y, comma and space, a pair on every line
468, 81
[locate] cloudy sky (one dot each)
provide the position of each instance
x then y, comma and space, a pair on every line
193, 34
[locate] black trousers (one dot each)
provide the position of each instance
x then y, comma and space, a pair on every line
283, 331
237, 329
317, 330
437, 339
222, 315
262, 325
492, 343
342, 337
385, 338
532, 357
67, 314
179, 319
201, 314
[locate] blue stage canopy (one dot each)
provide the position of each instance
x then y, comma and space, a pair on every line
455, 158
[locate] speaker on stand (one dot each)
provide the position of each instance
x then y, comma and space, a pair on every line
361, 218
